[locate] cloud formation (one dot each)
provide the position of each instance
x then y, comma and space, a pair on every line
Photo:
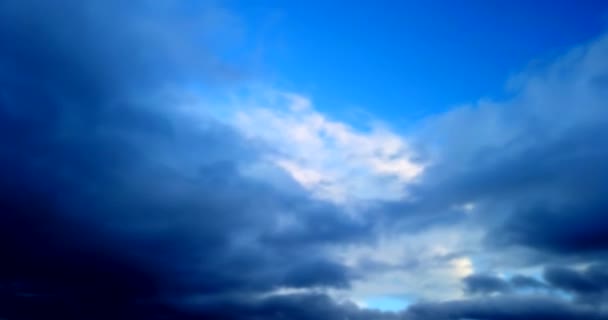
330, 158
117, 203
113, 203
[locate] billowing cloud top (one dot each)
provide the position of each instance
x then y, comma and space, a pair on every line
127, 191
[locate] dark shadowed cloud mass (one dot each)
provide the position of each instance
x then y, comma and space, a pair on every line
123, 197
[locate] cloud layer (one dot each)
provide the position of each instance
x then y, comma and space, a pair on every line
117, 203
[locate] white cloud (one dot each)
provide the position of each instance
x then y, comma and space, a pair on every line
423, 265
332, 159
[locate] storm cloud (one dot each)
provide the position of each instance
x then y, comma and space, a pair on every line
113, 203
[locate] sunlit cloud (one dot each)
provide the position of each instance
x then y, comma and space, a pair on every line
330, 158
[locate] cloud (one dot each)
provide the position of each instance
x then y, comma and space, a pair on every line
532, 164
330, 158
310, 306
114, 203
589, 285
503, 307
304, 307
425, 265
486, 284
526, 282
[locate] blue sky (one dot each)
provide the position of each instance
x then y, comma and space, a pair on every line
265, 160
403, 60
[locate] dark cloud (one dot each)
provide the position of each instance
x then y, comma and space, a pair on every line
534, 169
503, 307
589, 285
313, 306
293, 306
525, 282
115, 204
570, 280
112, 202
547, 196
533, 166
485, 284
574, 219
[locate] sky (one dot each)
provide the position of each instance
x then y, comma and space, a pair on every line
257, 160
394, 57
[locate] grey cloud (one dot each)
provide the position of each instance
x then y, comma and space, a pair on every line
485, 284
313, 306
112, 203
503, 307
115, 205
533, 165
589, 285
525, 282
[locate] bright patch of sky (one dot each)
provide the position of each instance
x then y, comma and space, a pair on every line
330, 158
